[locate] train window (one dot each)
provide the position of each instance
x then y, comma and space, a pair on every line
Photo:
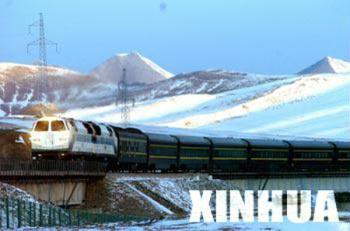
105, 131
344, 154
88, 128
96, 128
109, 131
42, 126
57, 125
72, 124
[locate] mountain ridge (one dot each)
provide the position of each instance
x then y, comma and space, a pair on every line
139, 69
327, 65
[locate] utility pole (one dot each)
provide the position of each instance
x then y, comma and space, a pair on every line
123, 99
42, 85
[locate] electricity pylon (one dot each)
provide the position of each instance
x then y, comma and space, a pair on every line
42, 85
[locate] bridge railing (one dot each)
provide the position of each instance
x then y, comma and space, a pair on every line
53, 166
17, 213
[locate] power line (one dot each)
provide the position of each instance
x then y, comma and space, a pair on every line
42, 85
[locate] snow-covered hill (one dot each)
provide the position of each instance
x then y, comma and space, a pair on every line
138, 69
313, 105
71, 89
327, 65
18, 87
200, 82
229, 102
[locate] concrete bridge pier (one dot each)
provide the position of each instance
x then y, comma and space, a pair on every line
59, 192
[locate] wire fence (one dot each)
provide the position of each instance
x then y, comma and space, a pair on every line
17, 213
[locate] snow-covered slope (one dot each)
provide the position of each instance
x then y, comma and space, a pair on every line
181, 96
71, 89
228, 102
200, 82
313, 105
327, 65
67, 88
138, 69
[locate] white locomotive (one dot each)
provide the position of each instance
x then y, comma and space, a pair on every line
59, 137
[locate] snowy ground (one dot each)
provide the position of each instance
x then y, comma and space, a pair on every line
313, 105
289, 106
169, 194
184, 225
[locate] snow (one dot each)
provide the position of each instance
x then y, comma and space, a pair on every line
285, 226
183, 224
156, 67
296, 91
323, 115
142, 111
175, 189
7, 190
294, 106
153, 202
328, 65
22, 122
139, 69
5, 66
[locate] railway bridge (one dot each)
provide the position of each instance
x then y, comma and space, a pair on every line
338, 181
70, 182
60, 182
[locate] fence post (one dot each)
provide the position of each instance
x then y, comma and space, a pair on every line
19, 217
7, 212
1, 216
59, 217
78, 217
25, 213
30, 214
49, 218
34, 214
69, 218
54, 213
41, 215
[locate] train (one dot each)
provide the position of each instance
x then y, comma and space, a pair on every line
130, 149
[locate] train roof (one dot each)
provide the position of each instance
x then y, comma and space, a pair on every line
221, 141
309, 144
268, 143
161, 138
133, 130
341, 144
193, 140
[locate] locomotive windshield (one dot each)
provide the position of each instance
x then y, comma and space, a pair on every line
42, 126
57, 125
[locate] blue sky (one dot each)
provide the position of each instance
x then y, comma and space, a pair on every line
268, 37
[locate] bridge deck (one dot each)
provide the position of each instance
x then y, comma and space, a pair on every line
257, 175
51, 169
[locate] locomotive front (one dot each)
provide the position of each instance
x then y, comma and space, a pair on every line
50, 136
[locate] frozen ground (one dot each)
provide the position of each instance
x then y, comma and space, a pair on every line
289, 107
184, 225
168, 197
169, 194
310, 106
